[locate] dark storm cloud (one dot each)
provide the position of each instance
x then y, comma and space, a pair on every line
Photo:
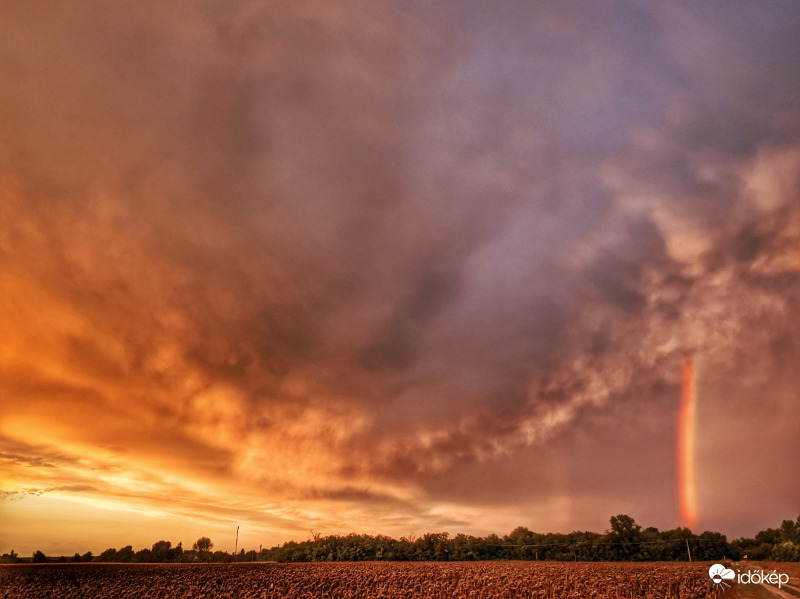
406, 241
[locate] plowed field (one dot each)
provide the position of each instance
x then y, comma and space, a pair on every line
495, 580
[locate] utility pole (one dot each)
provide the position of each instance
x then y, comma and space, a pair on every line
687, 548
236, 547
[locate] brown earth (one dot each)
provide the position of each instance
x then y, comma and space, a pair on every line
429, 580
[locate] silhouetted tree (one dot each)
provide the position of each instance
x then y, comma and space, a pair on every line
790, 531
786, 552
203, 544
625, 536
710, 546
625, 527
39, 557
625, 541
124, 555
221, 556
162, 551
143, 556
107, 555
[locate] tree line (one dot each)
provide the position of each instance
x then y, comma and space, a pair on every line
625, 541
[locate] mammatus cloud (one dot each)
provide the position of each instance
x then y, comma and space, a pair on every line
334, 260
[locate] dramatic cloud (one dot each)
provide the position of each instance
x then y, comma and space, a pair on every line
363, 266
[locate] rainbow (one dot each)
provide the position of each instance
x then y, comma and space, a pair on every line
687, 485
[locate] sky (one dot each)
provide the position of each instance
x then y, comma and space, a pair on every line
394, 267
